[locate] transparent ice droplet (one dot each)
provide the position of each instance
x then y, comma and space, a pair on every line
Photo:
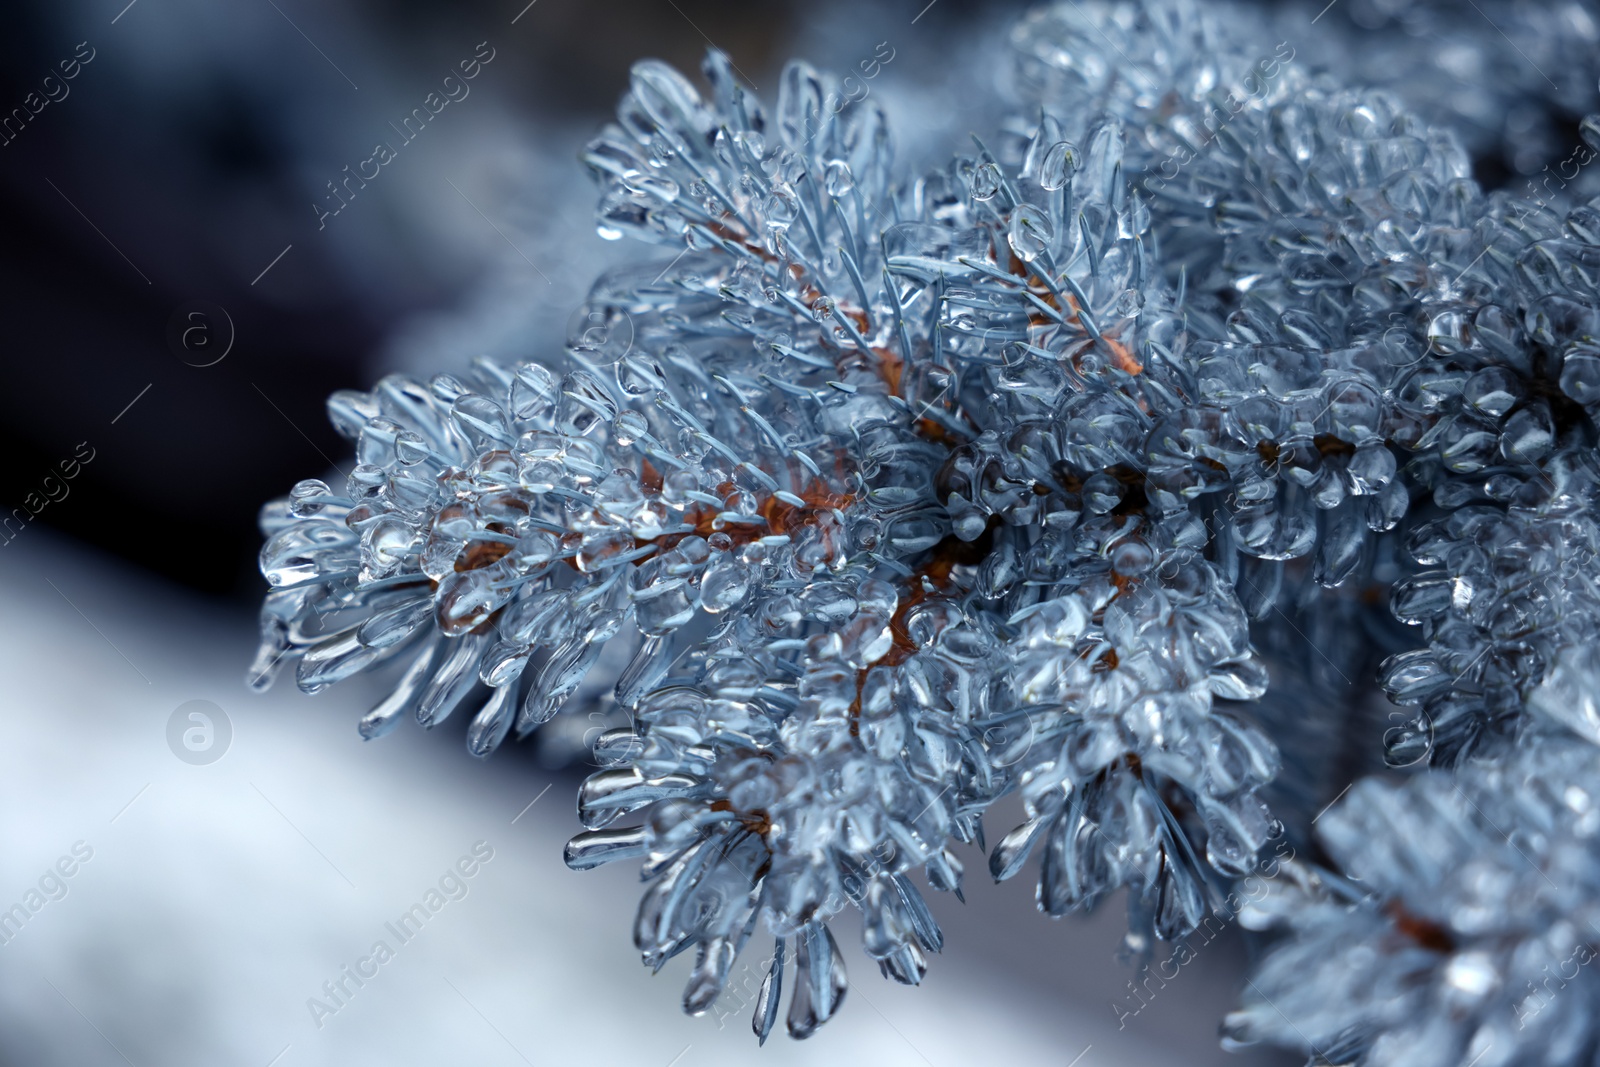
619, 495
663, 605
1031, 232
662, 149
985, 181
725, 583
638, 375
1449, 331
1226, 852
410, 447
1057, 622
534, 550
628, 427
540, 475
1044, 138
504, 663
771, 991
1132, 558
753, 143
1244, 679
482, 420
790, 166
838, 180
559, 679
411, 494
375, 445
452, 680
308, 498
1371, 468
534, 389
820, 981
270, 654
676, 487
542, 619
1101, 493
599, 334
439, 556
722, 147
364, 480
1580, 376
1493, 391
1528, 434
602, 545
396, 624
828, 602
710, 974
585, 403
925, 624
447, 387
384, 547
466, 599
333, 661
1059, 164
650, 186
306, 550
781, 207
1408, 744
864, 639
492, 722
669, 98
968, 523
349, 411
644, 671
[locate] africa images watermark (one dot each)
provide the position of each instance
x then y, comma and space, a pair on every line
198, 732
455, 90
1541, 995
453, 885
870, 68
1541, 195
1221, 113
52, 886
55, 89
1250, 890
52, 490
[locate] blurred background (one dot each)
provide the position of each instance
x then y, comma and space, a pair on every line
180, 296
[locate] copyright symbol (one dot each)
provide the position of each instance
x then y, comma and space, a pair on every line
1009, 740
600, 335
1409, 743
199, 732
200, 333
